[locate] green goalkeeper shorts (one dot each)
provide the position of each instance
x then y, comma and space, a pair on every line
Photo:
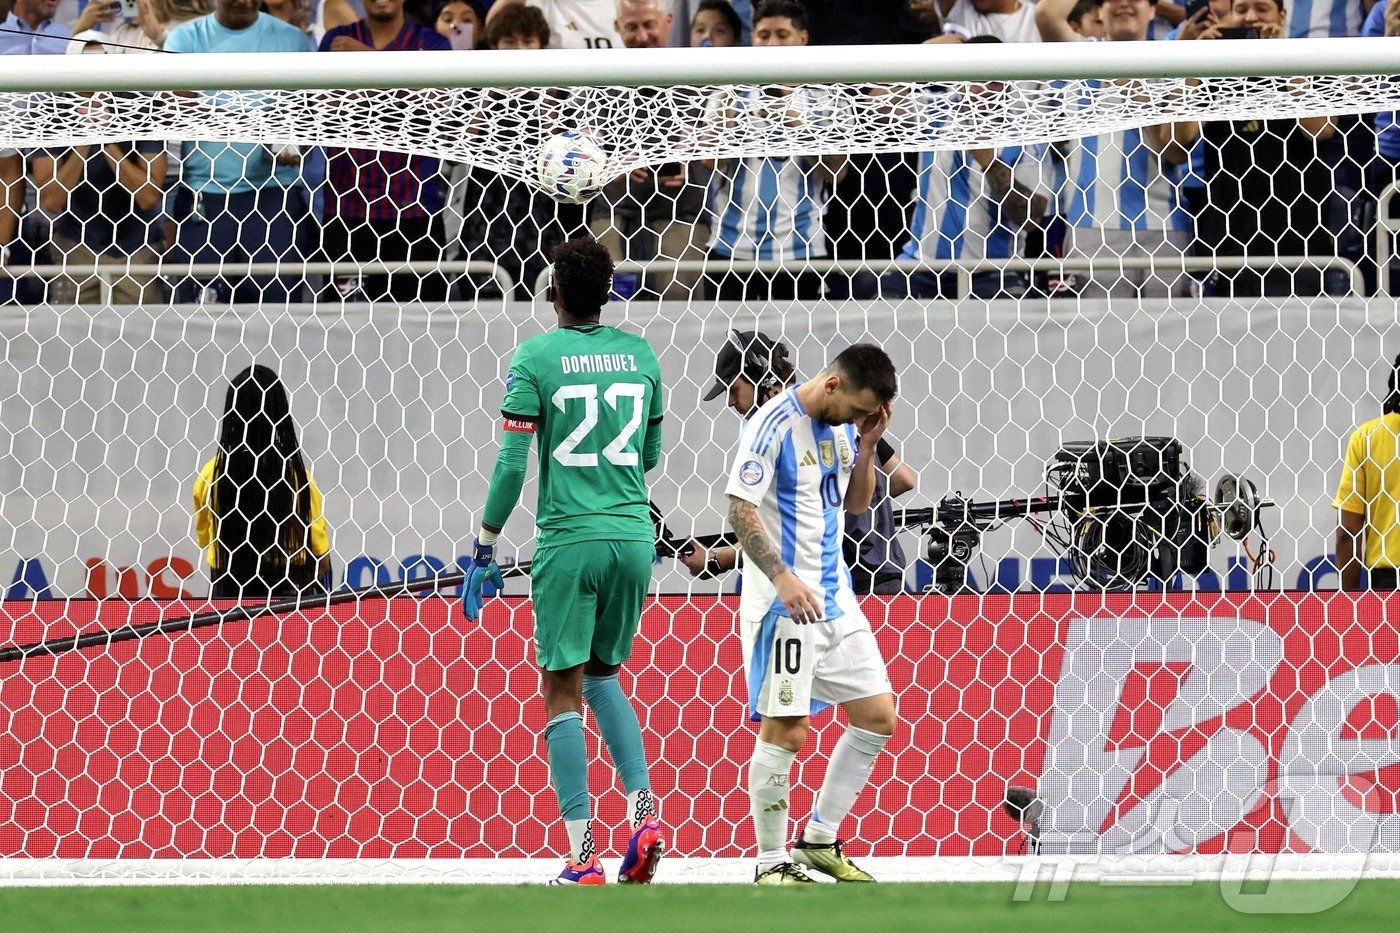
588, 601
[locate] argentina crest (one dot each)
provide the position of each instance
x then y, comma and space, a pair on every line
828, 451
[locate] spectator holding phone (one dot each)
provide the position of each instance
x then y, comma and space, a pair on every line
1248, 19
1200, 15
460, 22
125, 31
1264, 180
33, 28
656, 211
156, 18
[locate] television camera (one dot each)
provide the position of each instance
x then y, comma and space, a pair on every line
1123, 512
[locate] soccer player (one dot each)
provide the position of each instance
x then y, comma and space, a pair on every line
751, 369
592, 396
804, 459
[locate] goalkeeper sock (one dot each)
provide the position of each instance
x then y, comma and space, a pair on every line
641, 804
622, 735
568, 772
846, 775
768, 797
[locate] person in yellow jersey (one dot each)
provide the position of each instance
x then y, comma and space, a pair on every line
1368, 498
257, 513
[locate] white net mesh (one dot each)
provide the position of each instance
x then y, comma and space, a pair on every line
501, 129
1046, 262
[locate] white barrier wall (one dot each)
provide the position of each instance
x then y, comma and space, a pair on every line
107, 414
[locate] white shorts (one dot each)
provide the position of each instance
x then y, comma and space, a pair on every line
799, 670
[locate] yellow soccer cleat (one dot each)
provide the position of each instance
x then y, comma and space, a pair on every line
828, 859
786, 873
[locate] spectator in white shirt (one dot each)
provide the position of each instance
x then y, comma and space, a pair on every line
573, 24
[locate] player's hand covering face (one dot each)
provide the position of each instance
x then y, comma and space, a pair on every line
844, 406
873, 425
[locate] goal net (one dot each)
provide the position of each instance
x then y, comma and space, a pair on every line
1136, 316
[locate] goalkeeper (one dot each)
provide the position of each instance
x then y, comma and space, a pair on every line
592, 397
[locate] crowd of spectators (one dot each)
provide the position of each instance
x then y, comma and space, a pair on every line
1210, 188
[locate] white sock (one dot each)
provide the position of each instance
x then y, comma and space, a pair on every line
640, 805
768, 796
850, 767
581, 847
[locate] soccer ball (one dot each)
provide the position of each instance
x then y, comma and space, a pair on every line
572, 167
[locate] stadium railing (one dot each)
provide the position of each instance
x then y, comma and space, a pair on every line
966, 270
107, 272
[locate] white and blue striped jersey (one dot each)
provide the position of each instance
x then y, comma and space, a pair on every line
956, 217
796, 470
1325, 19
771, 207
1159, 29
768, 208
1116, 181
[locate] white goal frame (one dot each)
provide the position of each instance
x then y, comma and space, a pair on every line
639, 67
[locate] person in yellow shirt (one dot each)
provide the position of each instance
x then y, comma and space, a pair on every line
257, 512
1368, 498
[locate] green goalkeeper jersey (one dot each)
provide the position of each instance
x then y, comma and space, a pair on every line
592, 396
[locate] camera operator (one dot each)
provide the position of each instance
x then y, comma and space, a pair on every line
1265, 181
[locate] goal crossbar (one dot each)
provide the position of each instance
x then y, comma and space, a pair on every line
643, 67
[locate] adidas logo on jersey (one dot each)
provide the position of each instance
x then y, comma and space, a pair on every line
807, 460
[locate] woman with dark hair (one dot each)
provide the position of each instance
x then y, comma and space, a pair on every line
258, 515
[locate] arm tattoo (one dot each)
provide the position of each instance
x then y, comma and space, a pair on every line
758, 549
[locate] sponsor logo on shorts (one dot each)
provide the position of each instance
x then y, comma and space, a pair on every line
785, 692
751, 473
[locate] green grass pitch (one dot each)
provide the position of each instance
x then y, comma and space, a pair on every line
1086, 908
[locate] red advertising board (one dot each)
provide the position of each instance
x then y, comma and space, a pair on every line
396, 729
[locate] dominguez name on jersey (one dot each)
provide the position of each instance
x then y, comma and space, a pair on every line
599, 363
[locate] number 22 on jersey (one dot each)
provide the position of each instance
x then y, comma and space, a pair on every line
614, 452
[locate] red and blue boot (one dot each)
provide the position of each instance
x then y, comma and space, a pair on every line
644, 852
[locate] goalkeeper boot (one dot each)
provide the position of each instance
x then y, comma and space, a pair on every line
590, 872
828, 859
643, 853
786, 873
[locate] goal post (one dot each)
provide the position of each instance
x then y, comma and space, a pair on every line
1124, 402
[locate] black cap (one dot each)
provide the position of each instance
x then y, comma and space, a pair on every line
745, 353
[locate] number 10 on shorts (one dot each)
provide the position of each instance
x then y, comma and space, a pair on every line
787, 655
